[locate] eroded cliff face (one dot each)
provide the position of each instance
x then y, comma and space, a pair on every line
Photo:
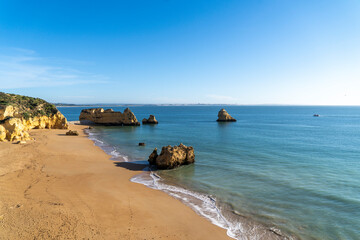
108, 117
14, 126
8, 111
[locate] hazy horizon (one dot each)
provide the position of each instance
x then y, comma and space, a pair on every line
196, 104
182, 52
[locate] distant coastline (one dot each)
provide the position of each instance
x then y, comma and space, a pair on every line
191, 105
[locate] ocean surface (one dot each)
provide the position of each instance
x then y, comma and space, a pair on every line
276, 170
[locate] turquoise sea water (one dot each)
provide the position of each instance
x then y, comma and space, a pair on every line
279, 167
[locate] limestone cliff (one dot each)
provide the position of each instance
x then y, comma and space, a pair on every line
108, 117
19, 114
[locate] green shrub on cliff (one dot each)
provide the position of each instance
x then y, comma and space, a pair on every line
28, 106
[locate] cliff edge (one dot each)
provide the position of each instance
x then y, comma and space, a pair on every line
19, 114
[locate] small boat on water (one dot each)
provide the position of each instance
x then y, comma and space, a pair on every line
316, 115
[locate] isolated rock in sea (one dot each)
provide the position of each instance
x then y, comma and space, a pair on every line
141, 144
152, 157
223, 116
72, 133
150, 120
19, 114
172, 157
108, 117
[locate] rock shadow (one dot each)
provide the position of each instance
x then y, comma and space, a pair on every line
131, 166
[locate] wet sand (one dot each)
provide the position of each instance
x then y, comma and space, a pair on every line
64, 187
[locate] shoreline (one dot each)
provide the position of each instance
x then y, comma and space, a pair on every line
61, 186
220, 214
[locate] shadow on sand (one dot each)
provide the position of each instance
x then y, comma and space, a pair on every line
131, 166
63, 134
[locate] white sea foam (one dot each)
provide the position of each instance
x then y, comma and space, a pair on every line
116, 155
202, 204
205, 206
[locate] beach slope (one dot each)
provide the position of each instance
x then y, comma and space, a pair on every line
64, 187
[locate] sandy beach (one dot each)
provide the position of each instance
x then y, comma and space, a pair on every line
65, 187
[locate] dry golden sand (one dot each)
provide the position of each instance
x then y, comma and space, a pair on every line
64, 187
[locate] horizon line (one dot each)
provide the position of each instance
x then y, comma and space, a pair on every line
198, 104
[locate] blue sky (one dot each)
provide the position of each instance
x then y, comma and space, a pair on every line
170, 51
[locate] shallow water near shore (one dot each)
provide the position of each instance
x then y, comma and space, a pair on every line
292, 173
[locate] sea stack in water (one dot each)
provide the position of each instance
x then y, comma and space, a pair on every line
108, 117
172, 157
223, 116
150, 120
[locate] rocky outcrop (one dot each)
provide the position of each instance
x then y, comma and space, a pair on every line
223, 116
172, 157
152, 157
72, 133
8, 111
108, 117
150, 120
18, 117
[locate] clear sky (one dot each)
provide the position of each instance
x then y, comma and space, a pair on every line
178, 51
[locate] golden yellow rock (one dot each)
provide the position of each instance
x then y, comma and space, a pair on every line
172, 157
223, 116
19, 114
8, 111
14, 127
2, 133
108, 117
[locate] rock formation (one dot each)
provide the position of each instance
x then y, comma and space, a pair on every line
72, 133
152, 157
223, 116
171, 157
19, 114
108, 117
150, 120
